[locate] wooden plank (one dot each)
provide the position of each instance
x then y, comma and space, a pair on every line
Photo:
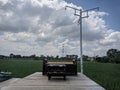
37, 81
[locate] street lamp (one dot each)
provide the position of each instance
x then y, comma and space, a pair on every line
80, 23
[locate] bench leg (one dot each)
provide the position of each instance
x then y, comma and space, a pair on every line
64, 77
49, 77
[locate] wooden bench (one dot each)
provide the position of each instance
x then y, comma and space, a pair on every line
70, 67
56, 70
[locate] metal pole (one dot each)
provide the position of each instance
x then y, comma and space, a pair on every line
80, 22
81, 56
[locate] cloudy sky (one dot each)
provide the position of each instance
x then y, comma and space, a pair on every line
42, 26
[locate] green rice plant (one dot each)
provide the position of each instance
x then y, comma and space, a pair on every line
106, 74
21, 68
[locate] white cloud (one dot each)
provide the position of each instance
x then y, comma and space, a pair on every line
42, 26
3, 2
112, 39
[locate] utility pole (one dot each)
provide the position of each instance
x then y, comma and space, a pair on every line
80, 15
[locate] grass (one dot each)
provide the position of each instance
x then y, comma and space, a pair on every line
21, 68
106, 74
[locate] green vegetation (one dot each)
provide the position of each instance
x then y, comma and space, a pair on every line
21, 68
112, 56
106, 74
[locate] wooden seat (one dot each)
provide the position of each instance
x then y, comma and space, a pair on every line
56, 70
70, 66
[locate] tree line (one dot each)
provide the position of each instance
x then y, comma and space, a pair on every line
41, 57
112, 56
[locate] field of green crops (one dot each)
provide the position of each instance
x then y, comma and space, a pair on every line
106, 74
20, 68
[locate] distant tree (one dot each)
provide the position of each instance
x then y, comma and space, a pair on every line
85, 57
74, 57
71, 57
48, 57
114, 55
36, 58
32, 56
25, 56
42, 57
117, 58
11, 55
57, 57
98, 59
3, 56
105, 59
68, 57
17, 56
52, 58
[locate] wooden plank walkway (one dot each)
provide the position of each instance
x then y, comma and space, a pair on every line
37, 81
8, 82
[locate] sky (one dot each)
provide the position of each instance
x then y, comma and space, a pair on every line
109, 6
41, 27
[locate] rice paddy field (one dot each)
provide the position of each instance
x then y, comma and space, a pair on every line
105, 74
